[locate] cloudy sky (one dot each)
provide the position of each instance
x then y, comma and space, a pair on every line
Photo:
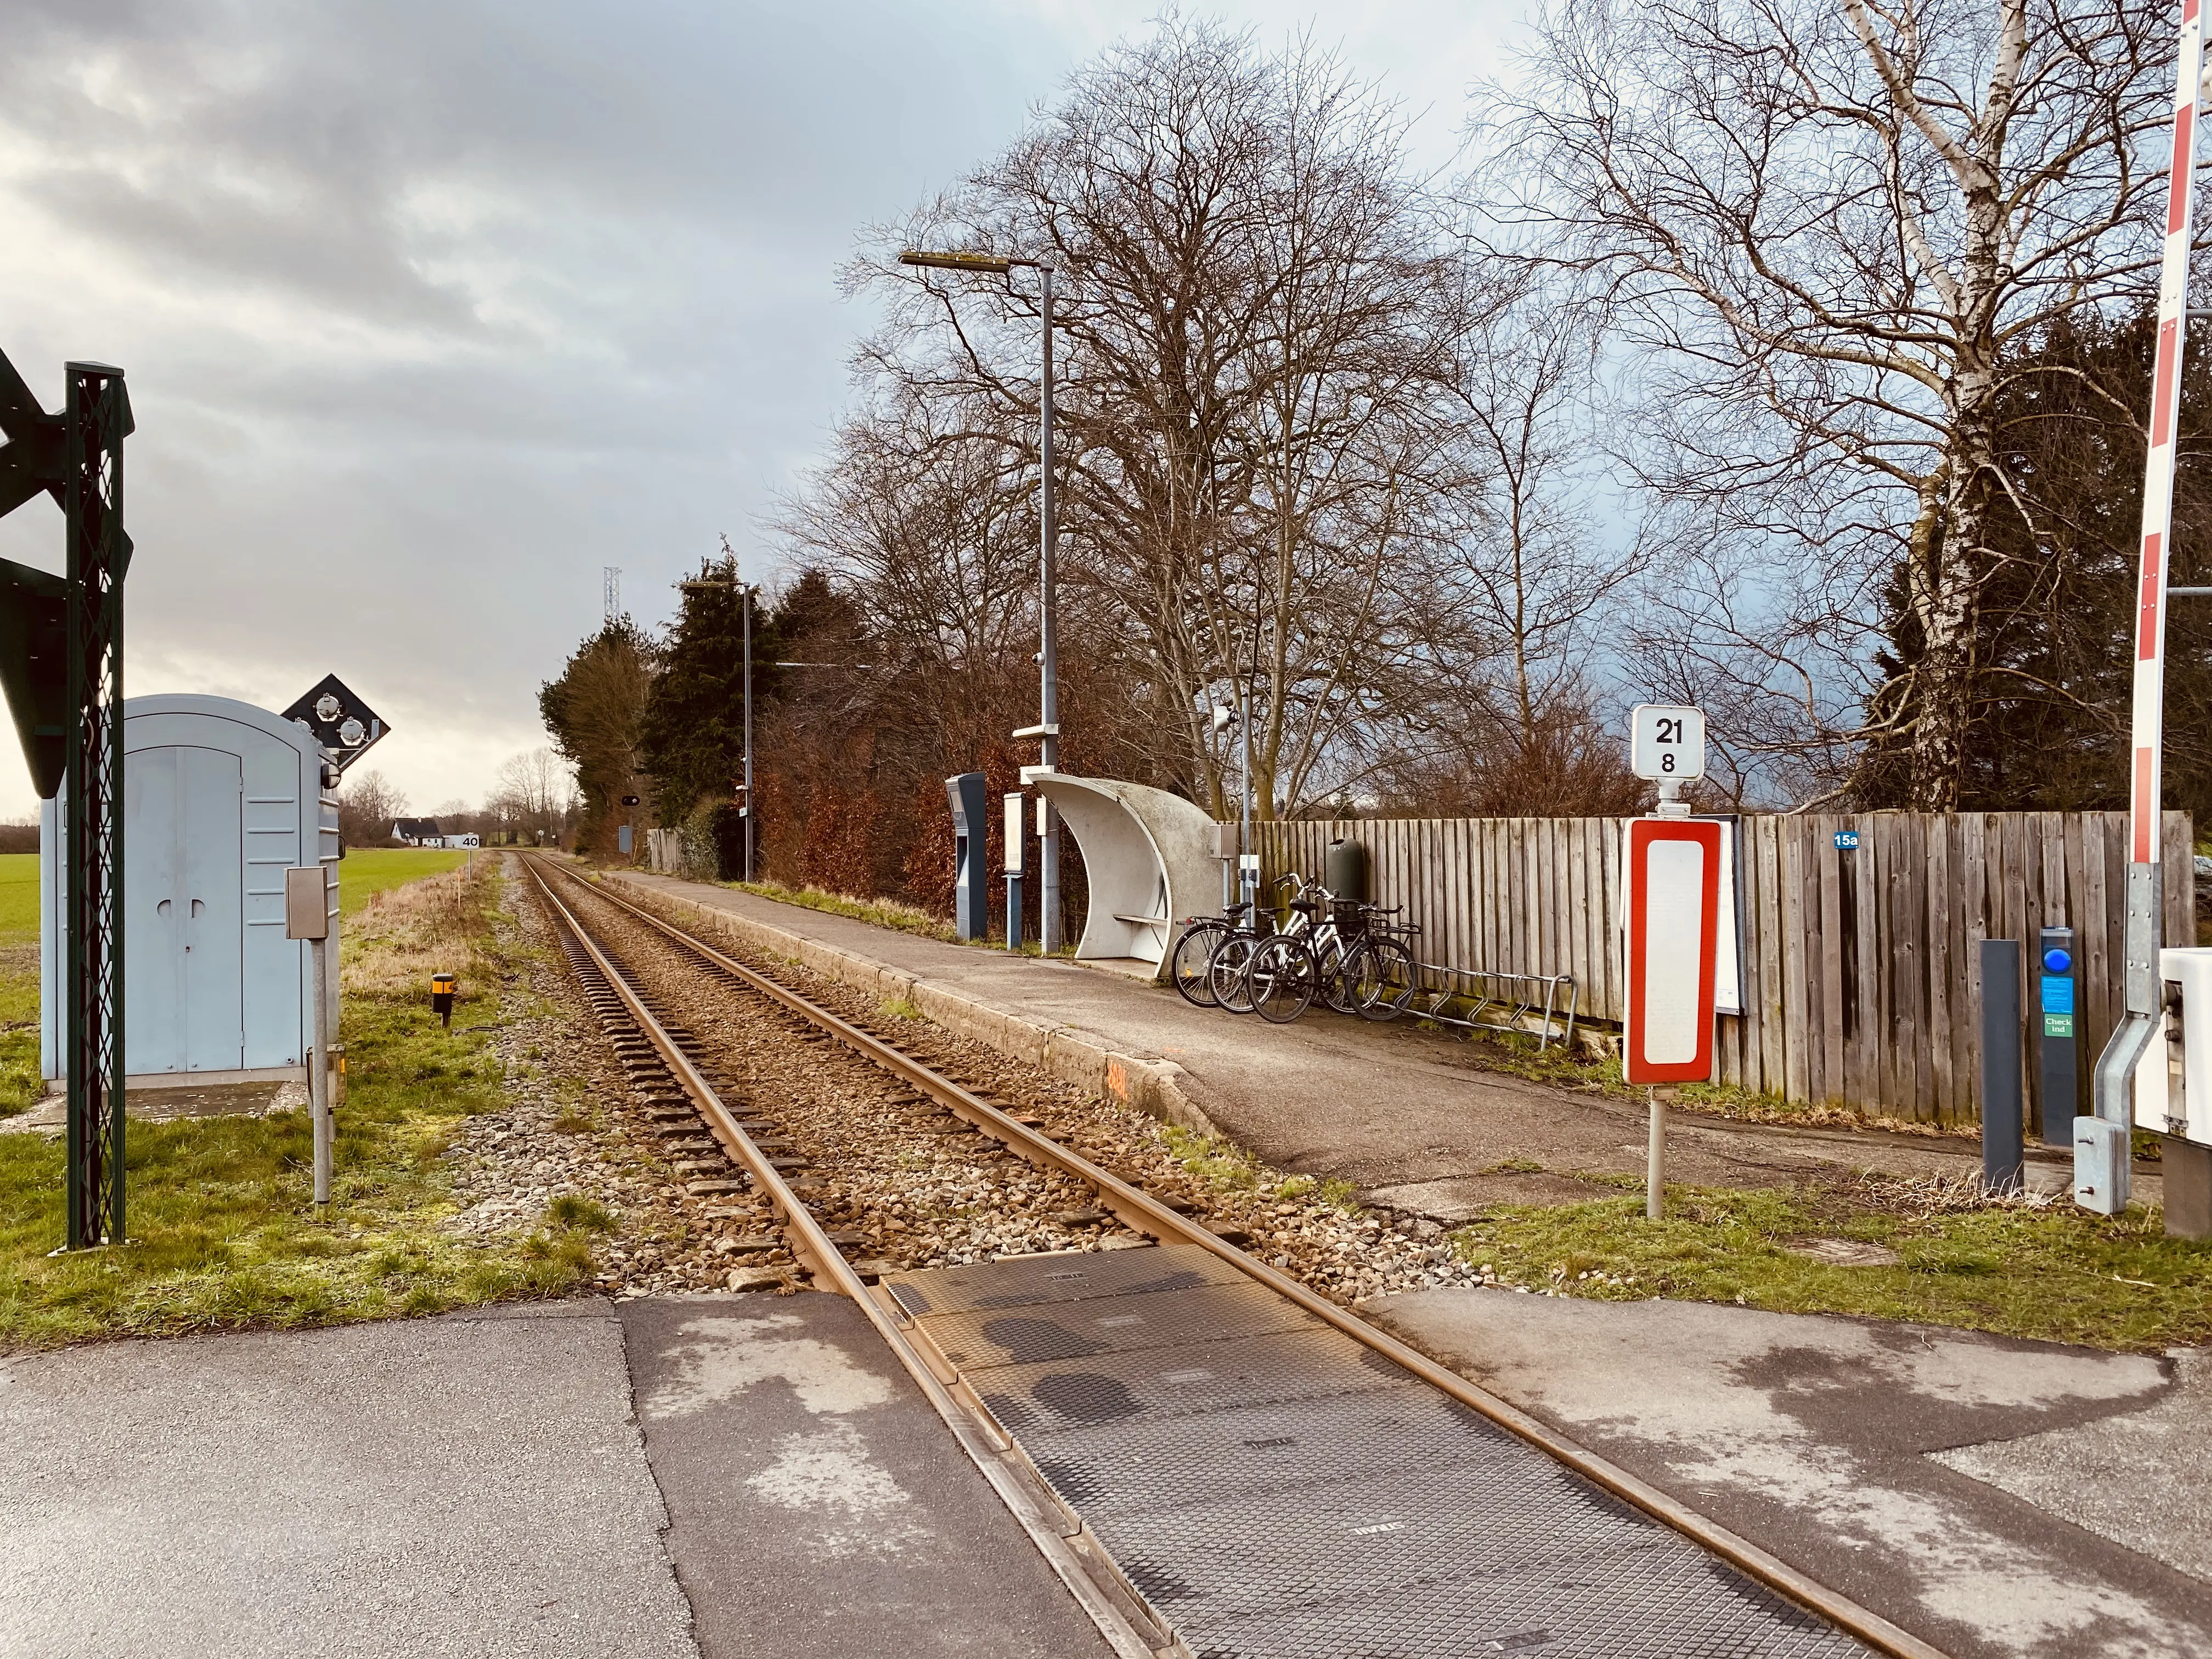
430, 311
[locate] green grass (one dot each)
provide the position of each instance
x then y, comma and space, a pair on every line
1226, 1165
223, 1229
2046, 1270
878, 913
20, 1085
19, 898
2052, 1272
365, 872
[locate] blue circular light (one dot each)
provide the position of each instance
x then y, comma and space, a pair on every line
2057, 962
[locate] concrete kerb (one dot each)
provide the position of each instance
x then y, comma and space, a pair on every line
1154, 1087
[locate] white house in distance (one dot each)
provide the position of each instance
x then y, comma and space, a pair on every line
418, 832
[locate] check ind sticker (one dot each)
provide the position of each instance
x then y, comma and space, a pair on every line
2058, 1025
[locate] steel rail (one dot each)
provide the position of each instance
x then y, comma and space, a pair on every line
811, 1244
1133, 1205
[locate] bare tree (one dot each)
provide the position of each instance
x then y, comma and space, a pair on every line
1531, 564
1827, 221
367, 804
1250, 357
533, 793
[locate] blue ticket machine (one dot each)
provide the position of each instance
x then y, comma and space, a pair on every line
2057, 972
971, 876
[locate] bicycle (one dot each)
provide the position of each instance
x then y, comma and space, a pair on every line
1307, 959
1383, 972
1191, 963
1228, 965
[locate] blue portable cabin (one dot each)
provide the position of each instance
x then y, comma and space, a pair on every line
219, 798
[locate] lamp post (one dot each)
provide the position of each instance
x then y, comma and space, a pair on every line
745, 592
1047, 730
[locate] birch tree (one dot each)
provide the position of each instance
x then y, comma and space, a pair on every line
1827, 222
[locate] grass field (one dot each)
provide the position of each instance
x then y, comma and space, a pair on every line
20, 1084
19, 898
365, 872
362, 874
223, 1229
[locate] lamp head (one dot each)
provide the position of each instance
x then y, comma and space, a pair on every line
988, 264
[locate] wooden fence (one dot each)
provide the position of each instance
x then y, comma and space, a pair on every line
1860, 968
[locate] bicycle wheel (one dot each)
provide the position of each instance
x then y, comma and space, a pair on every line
1225, 972
1333, 970
1194, 953
1281, 979
1382, 979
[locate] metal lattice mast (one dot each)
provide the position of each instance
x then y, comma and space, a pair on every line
95, 418
2116, 1069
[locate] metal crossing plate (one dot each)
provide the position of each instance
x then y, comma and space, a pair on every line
1275, 1489
1030, 1332
1282, 1448
1077, 1394
1072, 1276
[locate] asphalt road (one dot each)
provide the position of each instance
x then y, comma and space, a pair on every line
465, 1485
1999, 1498
492, 1484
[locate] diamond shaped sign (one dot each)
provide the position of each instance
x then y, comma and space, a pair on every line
342, 722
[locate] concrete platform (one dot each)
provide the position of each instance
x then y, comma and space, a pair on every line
1997, 1498
478, 1484
1406, 1116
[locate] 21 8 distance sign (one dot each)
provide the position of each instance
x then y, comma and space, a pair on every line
1666, 742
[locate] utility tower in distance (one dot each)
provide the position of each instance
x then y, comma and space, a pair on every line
611, 588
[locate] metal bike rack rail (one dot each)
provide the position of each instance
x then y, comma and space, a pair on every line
1485, 993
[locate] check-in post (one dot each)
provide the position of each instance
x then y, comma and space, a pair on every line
308, 916
1671, 879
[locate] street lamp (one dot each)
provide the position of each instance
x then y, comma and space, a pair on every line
745, 593
1047, 730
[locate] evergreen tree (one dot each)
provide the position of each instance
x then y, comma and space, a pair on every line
592, 712
693, 735
2055, 659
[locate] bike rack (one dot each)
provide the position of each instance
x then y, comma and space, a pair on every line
1523, 999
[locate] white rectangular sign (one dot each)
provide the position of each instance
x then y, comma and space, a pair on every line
1671, 889
1666, 742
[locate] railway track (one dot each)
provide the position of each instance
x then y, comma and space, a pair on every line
1217, 1459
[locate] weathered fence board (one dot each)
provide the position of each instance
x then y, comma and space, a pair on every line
1861, 968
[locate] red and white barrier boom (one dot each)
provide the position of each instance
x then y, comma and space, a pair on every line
2100, 1143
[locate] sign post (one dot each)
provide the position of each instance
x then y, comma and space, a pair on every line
1671, 878
308, 916
1014, 843
64, 675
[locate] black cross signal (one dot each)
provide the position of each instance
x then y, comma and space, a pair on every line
32, 459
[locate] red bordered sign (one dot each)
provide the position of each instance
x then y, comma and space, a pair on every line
1673, 885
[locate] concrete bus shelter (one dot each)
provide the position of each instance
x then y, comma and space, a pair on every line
220, 799
1150, 857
